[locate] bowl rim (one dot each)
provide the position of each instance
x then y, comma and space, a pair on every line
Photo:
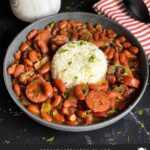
82, 127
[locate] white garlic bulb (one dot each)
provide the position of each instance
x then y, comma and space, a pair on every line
31, 10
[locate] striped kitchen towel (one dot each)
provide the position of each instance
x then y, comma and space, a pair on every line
115, 10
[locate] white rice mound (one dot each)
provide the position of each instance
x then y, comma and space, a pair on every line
79, 62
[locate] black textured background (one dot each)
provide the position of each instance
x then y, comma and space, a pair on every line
16, 127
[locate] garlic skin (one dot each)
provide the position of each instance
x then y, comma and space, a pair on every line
32, 10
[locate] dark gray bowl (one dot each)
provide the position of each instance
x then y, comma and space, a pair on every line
84, 17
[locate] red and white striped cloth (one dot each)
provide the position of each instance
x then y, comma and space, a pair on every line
115, 10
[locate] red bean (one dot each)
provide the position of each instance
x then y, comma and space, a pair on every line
58, 118
56, 101
111, 78
96, 36
33, 56
11, 69
98, 86
79, 92
74, 36
98, 43
81, 114
129, 54
19, 69
88, 120
98, 27
68, 104
23, 46
110, 53
17, 89
44, 69
46, 117
17, 55
122, 58
71, 123
33, 109
63, 24
116, 58
126, 44
28, 62
134, 49
60, 85
65, 111
122, 39
32, 34
48, 90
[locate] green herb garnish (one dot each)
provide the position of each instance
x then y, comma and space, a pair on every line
72, 44
140, 112
65, 95
128, 138
112, 111
54, 112
85, 88
142, 125
132, 59
51, 139
64, 70
7, 141
31, 73
112, 69
75, 78
43, 138
69, 63
119, 88
62, 51
82, 42
52, 24
92, 58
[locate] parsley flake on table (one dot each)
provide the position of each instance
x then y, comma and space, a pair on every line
140, 112
51, 139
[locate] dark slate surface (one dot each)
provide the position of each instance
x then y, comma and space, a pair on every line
16, 127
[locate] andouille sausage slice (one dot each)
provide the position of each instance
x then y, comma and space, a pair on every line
34, 91
97, 101
130, 81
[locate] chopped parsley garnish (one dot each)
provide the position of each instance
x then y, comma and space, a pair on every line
52, 24
83, 42
128, 138
72, 44
7, 142
51, 139
54, 112
140, 112
89, 34
75, 78
119, 88
112, 111
69, 63
85, 88
64, 70
92, 58
142, 125
112, 69
62, 51
31, 73
132, 59
65, 95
